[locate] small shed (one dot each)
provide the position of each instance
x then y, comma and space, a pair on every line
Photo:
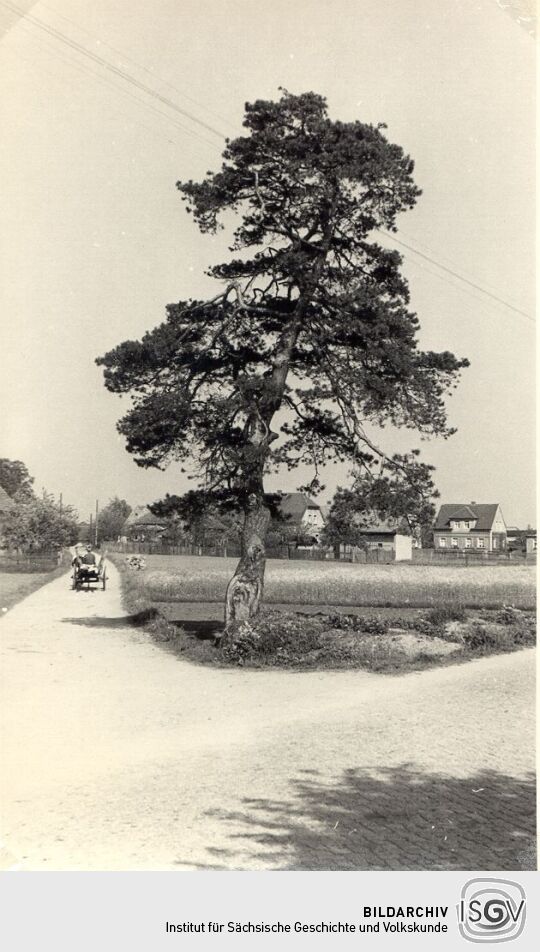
385, 538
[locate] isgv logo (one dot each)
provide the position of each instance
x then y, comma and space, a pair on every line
491, 910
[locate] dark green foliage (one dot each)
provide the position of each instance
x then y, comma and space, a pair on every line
280, 638
511, 616
439, 617
401, 493
112, 518
369, 625
215, 518
16, 480
39, 525
482, 637
311, 316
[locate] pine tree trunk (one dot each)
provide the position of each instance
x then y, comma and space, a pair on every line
245, 589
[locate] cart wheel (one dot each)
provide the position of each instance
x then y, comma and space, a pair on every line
104, 581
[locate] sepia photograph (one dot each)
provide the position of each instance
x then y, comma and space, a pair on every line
267, 453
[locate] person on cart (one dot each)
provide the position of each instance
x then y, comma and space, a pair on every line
86, 562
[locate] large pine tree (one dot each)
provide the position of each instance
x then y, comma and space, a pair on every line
311, 317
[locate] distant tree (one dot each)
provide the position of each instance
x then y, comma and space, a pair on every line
112, 518
309, 340
282, 532
216, 519
39, 525
15, 479
404, 496
206, 518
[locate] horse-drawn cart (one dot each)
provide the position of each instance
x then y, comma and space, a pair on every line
89, 577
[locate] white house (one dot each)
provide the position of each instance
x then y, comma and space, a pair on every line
303, 513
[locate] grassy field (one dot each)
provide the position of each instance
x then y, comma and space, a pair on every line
302, 636
204, 579
14, 586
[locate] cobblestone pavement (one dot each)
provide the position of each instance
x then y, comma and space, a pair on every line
117, 755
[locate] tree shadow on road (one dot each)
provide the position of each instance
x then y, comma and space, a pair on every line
99, 621
396, 818
201, 630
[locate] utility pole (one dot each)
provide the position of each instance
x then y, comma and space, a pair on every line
97, 513
90, 529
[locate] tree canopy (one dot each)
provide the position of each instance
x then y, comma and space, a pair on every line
39, 525
310, 340
15, 479
216, 518
402, 496
112, 517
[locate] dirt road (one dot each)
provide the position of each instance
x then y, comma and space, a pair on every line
117, 755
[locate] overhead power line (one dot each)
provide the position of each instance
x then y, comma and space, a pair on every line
456, 274
81, 67
150, 72
165, 100
127, 77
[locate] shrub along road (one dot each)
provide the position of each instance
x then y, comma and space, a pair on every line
118, 755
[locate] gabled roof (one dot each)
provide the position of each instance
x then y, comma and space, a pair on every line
295, 505
464, 512
384, 527
484, 513
141, 516
6, 502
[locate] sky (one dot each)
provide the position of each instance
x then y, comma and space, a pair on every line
95, 240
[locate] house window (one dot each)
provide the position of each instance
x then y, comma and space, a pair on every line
454, 543
495, 542
468, 543
442, 543
480, 543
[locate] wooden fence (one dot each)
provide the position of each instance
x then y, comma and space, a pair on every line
471, 557
233, 551
30, 562
360, 556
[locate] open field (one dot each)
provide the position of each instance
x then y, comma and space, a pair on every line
324, 636
204, 579
14, 586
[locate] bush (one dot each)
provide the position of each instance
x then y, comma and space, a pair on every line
511, 616
442, 615
368, 625
39, 525
284, 638
484, 638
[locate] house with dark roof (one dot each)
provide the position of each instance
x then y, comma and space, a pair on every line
142, 526
385, 535
476, 526
303, 513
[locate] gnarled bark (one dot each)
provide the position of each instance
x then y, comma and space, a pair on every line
244, 591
